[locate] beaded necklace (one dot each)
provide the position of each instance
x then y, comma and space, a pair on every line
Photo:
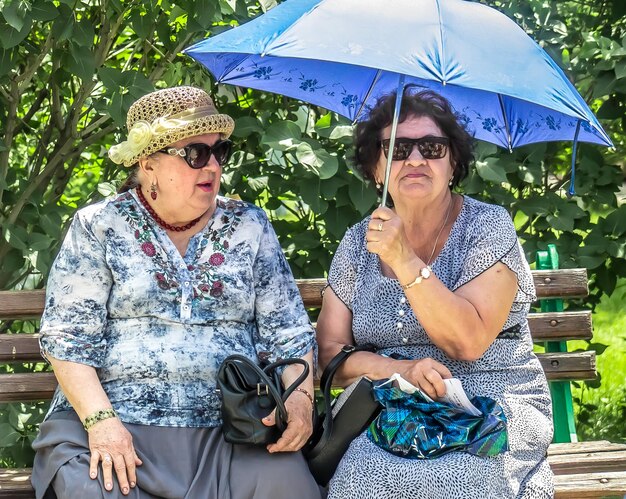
162, 222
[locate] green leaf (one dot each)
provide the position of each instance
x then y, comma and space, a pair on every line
9, 436
620, 70
16, 237
317, 160
141, 24
84, 33
112, 78
10, 37
15, 14
63, 25
323, 122
267, 4
107, 189
342, 134
490, 170
38, 241
247, 125
615, 223
6, 65
12, 260
329, 164
364, 198
310, 193
204, 12
81, 62
282, 135
43, 11
561, 222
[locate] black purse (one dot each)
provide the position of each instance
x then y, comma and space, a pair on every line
250, 393
337, 428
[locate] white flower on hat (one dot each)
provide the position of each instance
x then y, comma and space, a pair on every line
139, 137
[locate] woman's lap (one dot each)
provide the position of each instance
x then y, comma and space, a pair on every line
368, 472
184, 463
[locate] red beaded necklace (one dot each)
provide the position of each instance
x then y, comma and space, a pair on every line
159, 220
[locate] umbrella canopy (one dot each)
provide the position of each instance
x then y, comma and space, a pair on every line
344, 54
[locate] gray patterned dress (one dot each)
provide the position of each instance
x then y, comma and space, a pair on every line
509, 372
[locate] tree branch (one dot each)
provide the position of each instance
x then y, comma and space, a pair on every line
36, 105
24, 79
9, 129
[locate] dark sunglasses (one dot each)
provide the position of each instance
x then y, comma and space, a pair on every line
198, 155
428, 147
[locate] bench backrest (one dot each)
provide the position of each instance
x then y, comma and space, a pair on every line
550, 326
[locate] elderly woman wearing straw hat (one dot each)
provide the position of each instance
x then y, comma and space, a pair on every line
151, 290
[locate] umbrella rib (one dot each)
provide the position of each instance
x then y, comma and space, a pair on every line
367, 95
506, 123
441, 47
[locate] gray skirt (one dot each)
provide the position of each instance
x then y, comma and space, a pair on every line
185, 463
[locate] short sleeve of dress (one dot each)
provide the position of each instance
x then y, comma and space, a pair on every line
343, 269
493, 239
284, 328
77, 291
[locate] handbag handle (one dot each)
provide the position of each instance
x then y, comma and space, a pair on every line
264, 375
326, 381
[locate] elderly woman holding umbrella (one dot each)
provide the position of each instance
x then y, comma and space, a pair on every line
439, 284
151, 290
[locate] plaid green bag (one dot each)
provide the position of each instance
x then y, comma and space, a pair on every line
415, 427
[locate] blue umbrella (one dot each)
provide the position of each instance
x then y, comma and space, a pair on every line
344, 54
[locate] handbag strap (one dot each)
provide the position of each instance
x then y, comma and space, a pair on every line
272, 389
326, 380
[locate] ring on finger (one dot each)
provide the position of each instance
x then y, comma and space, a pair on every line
106, 458
380, 227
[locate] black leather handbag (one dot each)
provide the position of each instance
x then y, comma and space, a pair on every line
249, 393
337, 428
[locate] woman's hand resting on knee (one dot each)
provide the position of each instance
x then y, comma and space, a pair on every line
299, 424
112, 445
427, 374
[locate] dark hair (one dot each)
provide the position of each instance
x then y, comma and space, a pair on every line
131, 181
424, 103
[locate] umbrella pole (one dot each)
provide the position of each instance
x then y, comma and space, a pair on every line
392, 138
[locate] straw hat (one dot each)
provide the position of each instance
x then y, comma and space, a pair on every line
161, 118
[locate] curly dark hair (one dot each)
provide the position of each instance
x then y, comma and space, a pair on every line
426, 103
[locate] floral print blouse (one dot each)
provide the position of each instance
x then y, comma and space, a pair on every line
157, 325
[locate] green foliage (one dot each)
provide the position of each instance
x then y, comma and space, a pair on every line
70, 70
601, 405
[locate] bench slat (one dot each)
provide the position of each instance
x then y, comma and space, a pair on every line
590, 462
563, 283
587, 485
15, 483
552, 326
557, 326
22, 304
40, 386
19, 347
27, 386
569, 365
584, 447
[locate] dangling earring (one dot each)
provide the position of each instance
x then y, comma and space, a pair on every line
153, 191
450, 181
379, 186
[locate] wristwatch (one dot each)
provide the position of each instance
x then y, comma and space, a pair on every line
425, 273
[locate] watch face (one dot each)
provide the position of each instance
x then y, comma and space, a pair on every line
425, 272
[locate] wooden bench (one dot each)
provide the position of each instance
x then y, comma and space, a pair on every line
585, 469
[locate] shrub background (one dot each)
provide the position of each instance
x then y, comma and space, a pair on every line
69, 70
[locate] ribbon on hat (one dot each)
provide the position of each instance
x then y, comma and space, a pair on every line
143, 133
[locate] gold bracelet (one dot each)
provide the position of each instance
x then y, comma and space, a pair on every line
98, 416
307, 394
